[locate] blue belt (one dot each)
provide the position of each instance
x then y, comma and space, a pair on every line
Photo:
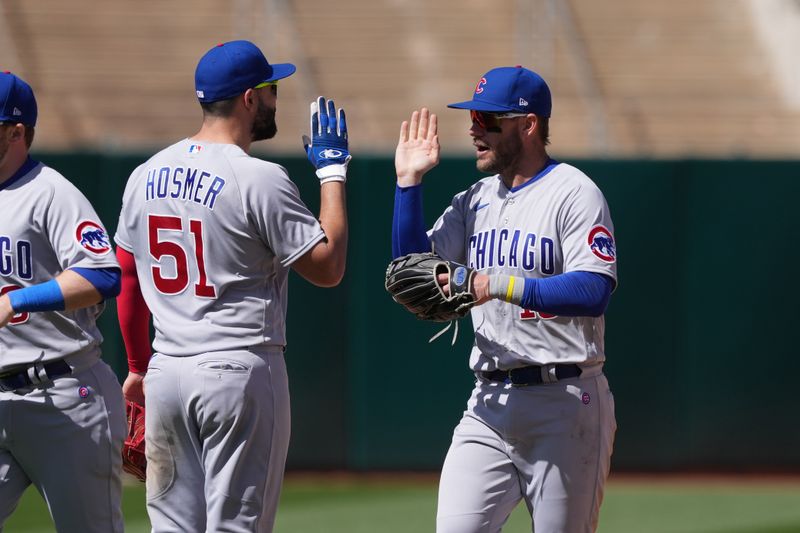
530, 375
20, 378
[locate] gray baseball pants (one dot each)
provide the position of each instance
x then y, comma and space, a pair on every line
548, 445
217, 435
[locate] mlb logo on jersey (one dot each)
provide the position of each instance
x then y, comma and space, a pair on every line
601, 242
194, 148
92, 236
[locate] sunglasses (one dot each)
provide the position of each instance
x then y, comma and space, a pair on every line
266, 84
491, 121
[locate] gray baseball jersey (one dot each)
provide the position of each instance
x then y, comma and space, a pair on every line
68, 432
47, 226
556, 223
214, 232
523, 439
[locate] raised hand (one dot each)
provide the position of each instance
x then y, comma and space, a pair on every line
327, 148
418, 148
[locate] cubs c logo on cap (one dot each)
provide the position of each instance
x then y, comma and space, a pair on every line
92, 236
479, 87
601, 242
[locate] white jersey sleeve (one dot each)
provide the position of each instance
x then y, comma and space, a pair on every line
586, 232
283, 220
448, 235
75, 232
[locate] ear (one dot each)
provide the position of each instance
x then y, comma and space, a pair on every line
17, 132
249, 98
531, 124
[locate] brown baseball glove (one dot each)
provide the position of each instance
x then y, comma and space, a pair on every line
133, 459
412, 282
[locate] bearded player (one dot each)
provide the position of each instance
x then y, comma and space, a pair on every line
207, 235
539, 425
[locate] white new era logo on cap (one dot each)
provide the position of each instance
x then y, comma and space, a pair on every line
16, 112
200, 94
522, 101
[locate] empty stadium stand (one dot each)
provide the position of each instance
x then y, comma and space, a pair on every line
631, 78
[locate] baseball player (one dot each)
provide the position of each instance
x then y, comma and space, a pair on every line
207, 235
539, 425
62, 416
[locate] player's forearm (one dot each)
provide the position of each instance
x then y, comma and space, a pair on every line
6, 311
410, 179
408, 222
133, 315
569, 294
333, 219
67, 291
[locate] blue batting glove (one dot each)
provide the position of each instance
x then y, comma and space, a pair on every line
327, 147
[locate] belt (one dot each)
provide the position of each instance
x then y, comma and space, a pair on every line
33, 375
532, 375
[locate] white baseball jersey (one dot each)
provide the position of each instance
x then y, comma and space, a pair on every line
47, 226
555, 223
213, 232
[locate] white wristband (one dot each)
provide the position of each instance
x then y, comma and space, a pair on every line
507, 288
333, 172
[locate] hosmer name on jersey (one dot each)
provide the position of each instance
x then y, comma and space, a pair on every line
183, 183
513, 249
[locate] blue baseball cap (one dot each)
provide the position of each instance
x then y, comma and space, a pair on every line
17, 103
231, 68
510, 90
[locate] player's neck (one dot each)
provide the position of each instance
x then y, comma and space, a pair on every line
11, 162
223, 132
528, 166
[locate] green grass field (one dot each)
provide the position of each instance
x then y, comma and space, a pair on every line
399, 504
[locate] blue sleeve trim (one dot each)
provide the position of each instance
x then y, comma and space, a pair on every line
45, 296
107, 281
408, 223
571, 294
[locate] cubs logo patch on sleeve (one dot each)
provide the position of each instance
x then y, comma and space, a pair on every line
92, 236
601, 242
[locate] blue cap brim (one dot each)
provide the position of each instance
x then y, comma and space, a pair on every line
280, 71
477, 105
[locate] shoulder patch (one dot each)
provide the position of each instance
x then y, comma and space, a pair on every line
92, 236
601, 242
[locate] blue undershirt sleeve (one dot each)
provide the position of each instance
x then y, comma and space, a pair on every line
408, 222
107, 281
571, 294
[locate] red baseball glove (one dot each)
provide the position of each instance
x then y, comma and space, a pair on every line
133, 459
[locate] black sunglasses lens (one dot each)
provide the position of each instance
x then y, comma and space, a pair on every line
484, 120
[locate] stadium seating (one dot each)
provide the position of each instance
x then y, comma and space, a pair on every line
630, 78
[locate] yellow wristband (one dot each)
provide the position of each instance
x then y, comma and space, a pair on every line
510, 290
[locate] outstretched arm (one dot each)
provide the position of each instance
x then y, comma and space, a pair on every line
417, 153
324, 264
327, 149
